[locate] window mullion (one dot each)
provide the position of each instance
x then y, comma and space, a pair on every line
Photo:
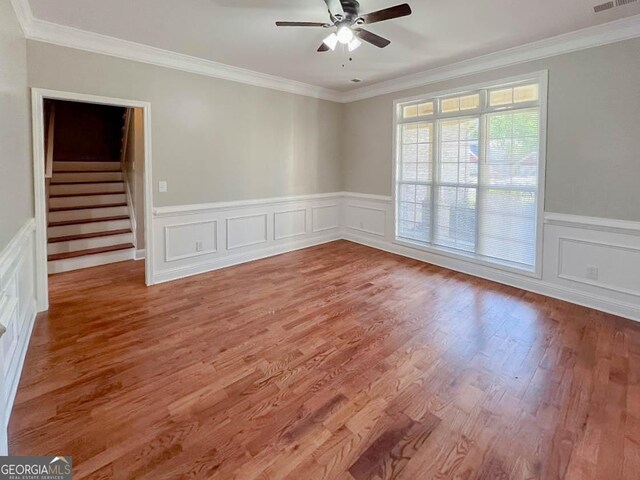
434, 178
481, 158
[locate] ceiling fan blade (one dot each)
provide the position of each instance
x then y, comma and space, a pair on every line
335, 7
302, 24
387, 14
323, 47
371, 38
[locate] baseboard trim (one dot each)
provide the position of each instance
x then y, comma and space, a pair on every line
139, 254
608, 305
236, 259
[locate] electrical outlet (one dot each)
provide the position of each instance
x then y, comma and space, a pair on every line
162, 186
199, 247
592, 272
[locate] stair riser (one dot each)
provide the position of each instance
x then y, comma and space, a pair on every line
59, 266
86, 166
86, 188
87, 177
87, 213
89, 201
65, 230
86, 243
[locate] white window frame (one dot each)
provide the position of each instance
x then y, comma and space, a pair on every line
539, 77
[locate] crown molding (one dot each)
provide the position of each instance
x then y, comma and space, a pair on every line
24, 14
606, 33
47, 32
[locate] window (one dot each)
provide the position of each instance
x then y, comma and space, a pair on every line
468, 171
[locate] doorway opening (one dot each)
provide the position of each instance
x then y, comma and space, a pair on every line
92, 189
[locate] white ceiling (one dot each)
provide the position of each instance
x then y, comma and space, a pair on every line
242, 33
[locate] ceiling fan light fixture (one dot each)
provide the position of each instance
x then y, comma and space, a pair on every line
331, 41
345, 35
353, 44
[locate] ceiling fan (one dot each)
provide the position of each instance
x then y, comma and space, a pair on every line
345, 16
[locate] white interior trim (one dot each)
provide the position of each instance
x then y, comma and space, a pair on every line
43, 31
595, 223
542, 79
37, 109
17, 317
204, 207
368, 219
605, 295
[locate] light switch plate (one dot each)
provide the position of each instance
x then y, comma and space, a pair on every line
162, 186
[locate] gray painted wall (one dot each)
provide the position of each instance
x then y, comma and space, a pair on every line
16, 179
212, 140
593, 140
215, 140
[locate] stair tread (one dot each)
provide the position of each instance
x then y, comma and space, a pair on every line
62, 223
62, 195
85, 207
90, 182
89, 251
85, 171
87, 160
83, 236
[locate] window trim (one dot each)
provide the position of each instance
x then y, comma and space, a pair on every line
541, 77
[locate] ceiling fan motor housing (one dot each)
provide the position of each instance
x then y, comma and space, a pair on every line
351, 10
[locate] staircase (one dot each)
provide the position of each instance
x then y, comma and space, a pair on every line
89, 221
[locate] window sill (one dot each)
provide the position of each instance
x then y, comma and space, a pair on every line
534, 272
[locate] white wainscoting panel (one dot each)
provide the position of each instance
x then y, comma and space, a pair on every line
617, 267
367, 219
572, 244
17, 315
573, 247
186, 240
289, 223
325, 217
244, 231
255, 229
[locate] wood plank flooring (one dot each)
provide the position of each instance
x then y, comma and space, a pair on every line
335, 362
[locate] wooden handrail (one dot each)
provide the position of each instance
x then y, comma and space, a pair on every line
48, 164
125, 135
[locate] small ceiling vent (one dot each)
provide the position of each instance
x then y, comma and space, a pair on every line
602, 7
613, 3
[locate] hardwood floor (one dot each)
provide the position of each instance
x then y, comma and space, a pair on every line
334, 362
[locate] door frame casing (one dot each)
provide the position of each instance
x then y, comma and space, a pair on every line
38, 95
